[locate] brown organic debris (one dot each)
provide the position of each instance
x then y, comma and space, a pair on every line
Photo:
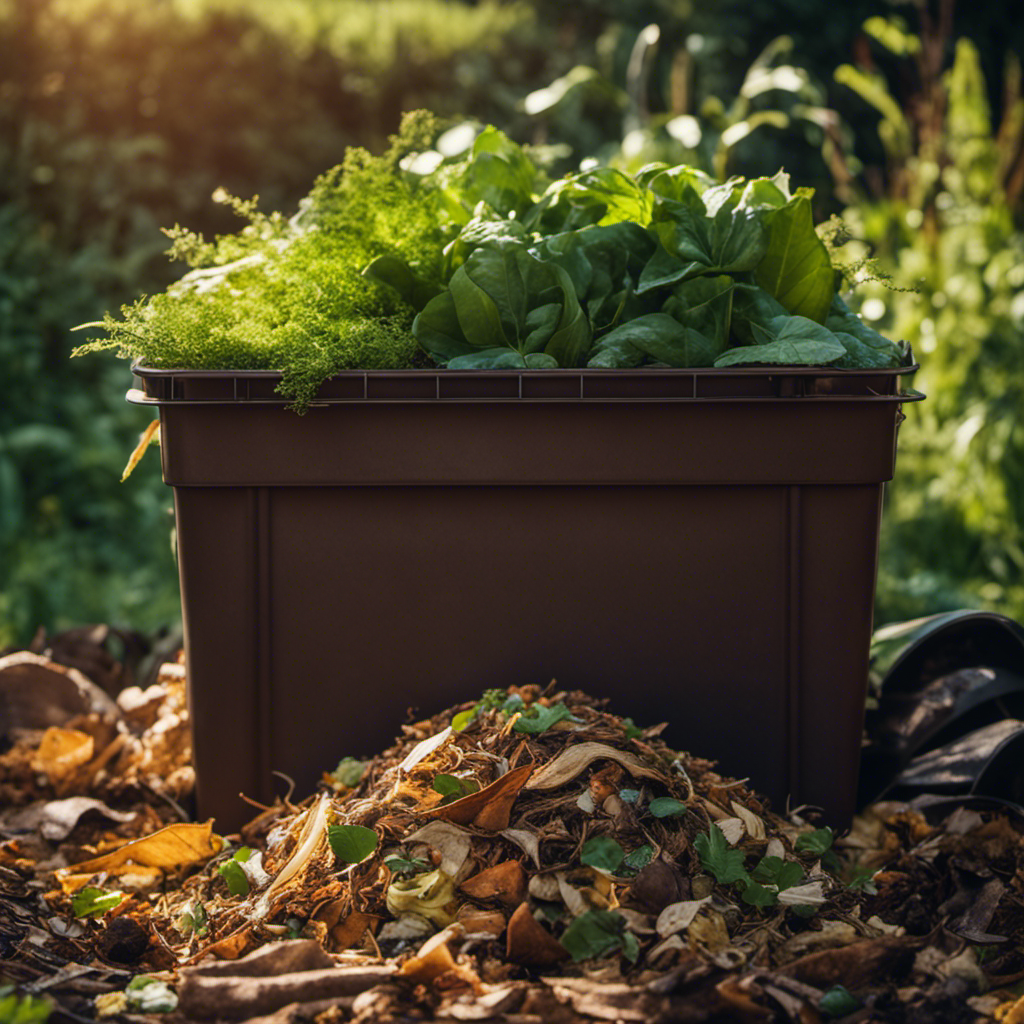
460, 904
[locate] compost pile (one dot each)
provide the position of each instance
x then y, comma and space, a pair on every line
525, 857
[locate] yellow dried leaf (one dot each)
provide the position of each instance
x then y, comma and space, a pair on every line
150, 435
61, 751
173, 847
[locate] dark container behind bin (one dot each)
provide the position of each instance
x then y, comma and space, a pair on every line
699, 546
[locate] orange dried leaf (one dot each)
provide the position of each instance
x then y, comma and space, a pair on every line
173, 847
529, 943
505, 882
61, 751
489, 808
149, 435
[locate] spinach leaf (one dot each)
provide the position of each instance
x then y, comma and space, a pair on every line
502, 306
796, 268
704, 306
752, 305
498, 173
693, 241
604, 264
792, 341
602, 196
865, 347
484, 229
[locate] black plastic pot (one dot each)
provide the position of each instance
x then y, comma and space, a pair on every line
699, 546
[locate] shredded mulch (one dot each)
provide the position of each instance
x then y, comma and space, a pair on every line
528, 857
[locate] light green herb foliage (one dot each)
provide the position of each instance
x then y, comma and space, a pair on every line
349, 772
233, 873
15, 1009
454, 788
289, 295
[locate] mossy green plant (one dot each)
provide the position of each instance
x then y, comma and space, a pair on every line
288, 294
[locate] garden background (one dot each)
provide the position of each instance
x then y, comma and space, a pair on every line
118, 117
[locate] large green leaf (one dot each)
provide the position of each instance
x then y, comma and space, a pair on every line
704, 305
709, 234
658, 337
485, 229
865, 347
752, 305
796, 268
717, 857
499, 173
797, 342
603, 196
397, 274
504, 305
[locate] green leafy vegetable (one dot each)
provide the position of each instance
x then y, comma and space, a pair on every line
725, 863
93, 902
666, 807
778, 872
351, 843
603, 853
796, 268
597, 932
540, 718
503, 306
797, 341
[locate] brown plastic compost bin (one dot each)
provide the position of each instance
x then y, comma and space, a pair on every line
699, 546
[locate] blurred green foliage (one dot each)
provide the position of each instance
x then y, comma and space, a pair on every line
117, 118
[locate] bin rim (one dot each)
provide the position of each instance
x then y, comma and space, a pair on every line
640, 384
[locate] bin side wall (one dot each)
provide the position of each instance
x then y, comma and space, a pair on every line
318, 615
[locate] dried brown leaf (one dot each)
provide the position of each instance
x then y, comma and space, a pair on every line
570, 762
505, 882
530, 944
489, 808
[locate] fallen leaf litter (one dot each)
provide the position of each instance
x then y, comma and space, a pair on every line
528, 857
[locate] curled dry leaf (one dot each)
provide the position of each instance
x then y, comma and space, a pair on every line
751, 822
450, 841
430, 895
489, 808
677, 916
529, 944
526, 841
571, 761
544, 887
408, 926
505, 882
311, 838
433, 959
176, 846
476, 921
710, 931
671, 943
811, 894
732, 829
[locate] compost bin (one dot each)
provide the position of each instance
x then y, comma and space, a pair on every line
698, 546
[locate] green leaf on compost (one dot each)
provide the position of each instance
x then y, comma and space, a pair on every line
93, 902
778, 872
597, 932
839, 1002
758, 896
351, 843
641, 856
463, 718
403, 866
725, 863
796, 268
797, 342
349, 772
603, 853
15, 1009
666, 807
453, 788
194, 921
632, 730
817, 842
232, 872
540, 718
